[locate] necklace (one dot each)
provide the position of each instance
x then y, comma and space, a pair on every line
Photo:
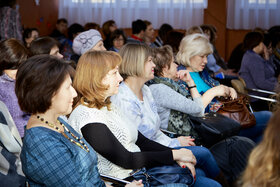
80, 143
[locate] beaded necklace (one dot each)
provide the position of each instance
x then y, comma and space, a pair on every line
80, 143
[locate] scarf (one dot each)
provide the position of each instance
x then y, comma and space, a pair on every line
178, 122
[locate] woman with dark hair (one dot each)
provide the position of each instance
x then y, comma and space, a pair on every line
29, 34
12, 54
45, 45
108, 28
149, 34
117, 40
53, 153
173, 39
256, 71
162, 33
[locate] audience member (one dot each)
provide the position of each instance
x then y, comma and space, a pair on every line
66, 46
108, 28
90, 40
162, 33
60, 29
53, 153
45, 45
256, 71
263, 165
10, 21
136, 101
12, 54
149, 34
117, 40
10, 147
138, 32
194, 29
192, 56
173, 39
117, 142
91, 25
215, 64
29, 34
274, 33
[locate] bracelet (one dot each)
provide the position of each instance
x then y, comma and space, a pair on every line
192, 87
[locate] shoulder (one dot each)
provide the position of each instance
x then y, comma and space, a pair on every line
39, 138
83, 115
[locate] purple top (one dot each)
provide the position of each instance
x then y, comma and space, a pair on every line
8, 96
257, 72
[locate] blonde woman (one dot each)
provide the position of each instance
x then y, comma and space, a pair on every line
264, 162
192, 55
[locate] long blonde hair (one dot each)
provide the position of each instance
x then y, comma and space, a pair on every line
91, 69
264, 162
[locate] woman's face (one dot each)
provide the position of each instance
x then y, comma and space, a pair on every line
55, 52
113, 27
198, 63
149, 69
62, 101
259, 49
171, 72
118, 42
112, 79
34, 35
99, 46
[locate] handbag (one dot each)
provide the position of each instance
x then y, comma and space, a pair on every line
237, 110
161, 175
214, 127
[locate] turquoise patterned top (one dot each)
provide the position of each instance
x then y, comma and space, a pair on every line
49, 159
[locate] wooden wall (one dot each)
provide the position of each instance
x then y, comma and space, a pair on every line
42, 17
45, 15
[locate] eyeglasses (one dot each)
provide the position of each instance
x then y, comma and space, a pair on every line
119, 40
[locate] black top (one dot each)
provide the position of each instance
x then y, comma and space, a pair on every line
103, 141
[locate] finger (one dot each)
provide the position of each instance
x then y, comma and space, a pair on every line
191, 144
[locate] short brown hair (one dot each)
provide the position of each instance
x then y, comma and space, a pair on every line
12, 54
37, 81
91, 69
43, 45
134, 57
162, 57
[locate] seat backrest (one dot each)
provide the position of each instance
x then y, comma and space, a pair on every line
239, 85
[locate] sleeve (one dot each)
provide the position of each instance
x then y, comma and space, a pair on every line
134, 113
169, 98
146, 144
53, 164
106, 144
257, 73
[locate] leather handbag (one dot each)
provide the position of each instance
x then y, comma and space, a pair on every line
161, 175
237, 110
214, 127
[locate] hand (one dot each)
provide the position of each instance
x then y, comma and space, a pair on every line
189, 165
183, 155
135, 184
221, 90
232, 93
186, 141
184, 75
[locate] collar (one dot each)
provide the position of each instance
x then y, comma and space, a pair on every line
136, 38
